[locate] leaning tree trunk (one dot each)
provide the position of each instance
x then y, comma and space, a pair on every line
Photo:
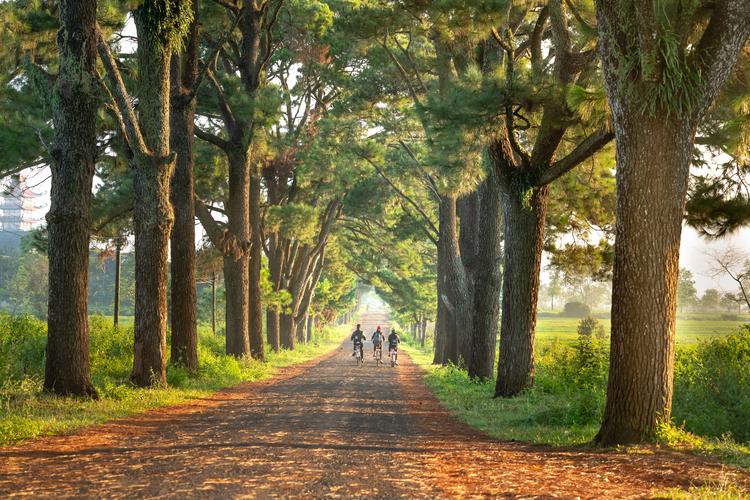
487, 286
182, 242
66, 369
236, 266
152, 210
653, 164
255, 313
524, 239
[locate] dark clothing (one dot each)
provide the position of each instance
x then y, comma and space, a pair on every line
393, 340
358, 337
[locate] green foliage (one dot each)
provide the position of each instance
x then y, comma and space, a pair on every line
590, 328
166, 22
293, 220
687, 295
566, 403
576, 310
712, 387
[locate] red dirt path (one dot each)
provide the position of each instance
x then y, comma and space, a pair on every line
329, 429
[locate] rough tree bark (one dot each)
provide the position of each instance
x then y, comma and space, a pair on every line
457, 289
654, 150
524, 239
118, 269
152, 210
487, 286
255, 312
184, 74
66, 369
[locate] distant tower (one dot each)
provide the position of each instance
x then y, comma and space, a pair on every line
18, 207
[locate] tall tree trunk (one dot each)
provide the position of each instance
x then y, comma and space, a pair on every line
458, 291
236, 266
118, 269
302, 329
288, 331
487, 286
273, 329
443, 315
524, 239
423, 331
66, 368
310, 327
184, 316
653, 167
255, 328
213, 302
153, 215
469, 240
653, 162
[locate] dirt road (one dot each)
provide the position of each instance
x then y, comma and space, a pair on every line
327, 429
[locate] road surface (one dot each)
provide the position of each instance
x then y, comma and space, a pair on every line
327, 429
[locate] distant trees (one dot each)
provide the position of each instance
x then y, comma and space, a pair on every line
687, 295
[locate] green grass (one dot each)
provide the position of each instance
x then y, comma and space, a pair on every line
709, 491
26, 412
689, 331
564, 407
532, 417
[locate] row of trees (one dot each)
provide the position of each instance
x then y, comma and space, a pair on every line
498, 123
265, 191
432, 149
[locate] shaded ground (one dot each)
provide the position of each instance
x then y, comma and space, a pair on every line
328, 428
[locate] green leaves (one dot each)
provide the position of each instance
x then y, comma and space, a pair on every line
166, 21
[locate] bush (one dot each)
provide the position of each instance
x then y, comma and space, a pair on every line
589, 327
576, 310
712, 387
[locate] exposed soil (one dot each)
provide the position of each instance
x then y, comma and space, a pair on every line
329, 428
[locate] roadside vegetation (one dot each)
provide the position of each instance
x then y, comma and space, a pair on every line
564, 406
27, 412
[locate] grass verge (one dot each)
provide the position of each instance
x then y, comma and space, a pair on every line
563, 408
26, 412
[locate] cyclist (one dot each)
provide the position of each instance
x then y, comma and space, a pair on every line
358, 338
377, 339
393, 342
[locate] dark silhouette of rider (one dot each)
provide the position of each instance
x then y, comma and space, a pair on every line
358, 338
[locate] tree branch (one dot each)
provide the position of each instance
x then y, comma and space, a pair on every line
584, 150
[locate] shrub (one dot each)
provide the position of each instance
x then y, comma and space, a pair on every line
589, 327
576, 310
712, 387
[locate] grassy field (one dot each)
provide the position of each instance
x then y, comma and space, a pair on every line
689, 331
25, 412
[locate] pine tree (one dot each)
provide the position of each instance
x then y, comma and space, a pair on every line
664, 65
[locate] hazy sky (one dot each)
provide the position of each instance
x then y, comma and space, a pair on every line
696, 252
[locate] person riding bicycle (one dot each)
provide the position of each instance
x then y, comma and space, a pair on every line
377, 340
393, 342
358, 338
